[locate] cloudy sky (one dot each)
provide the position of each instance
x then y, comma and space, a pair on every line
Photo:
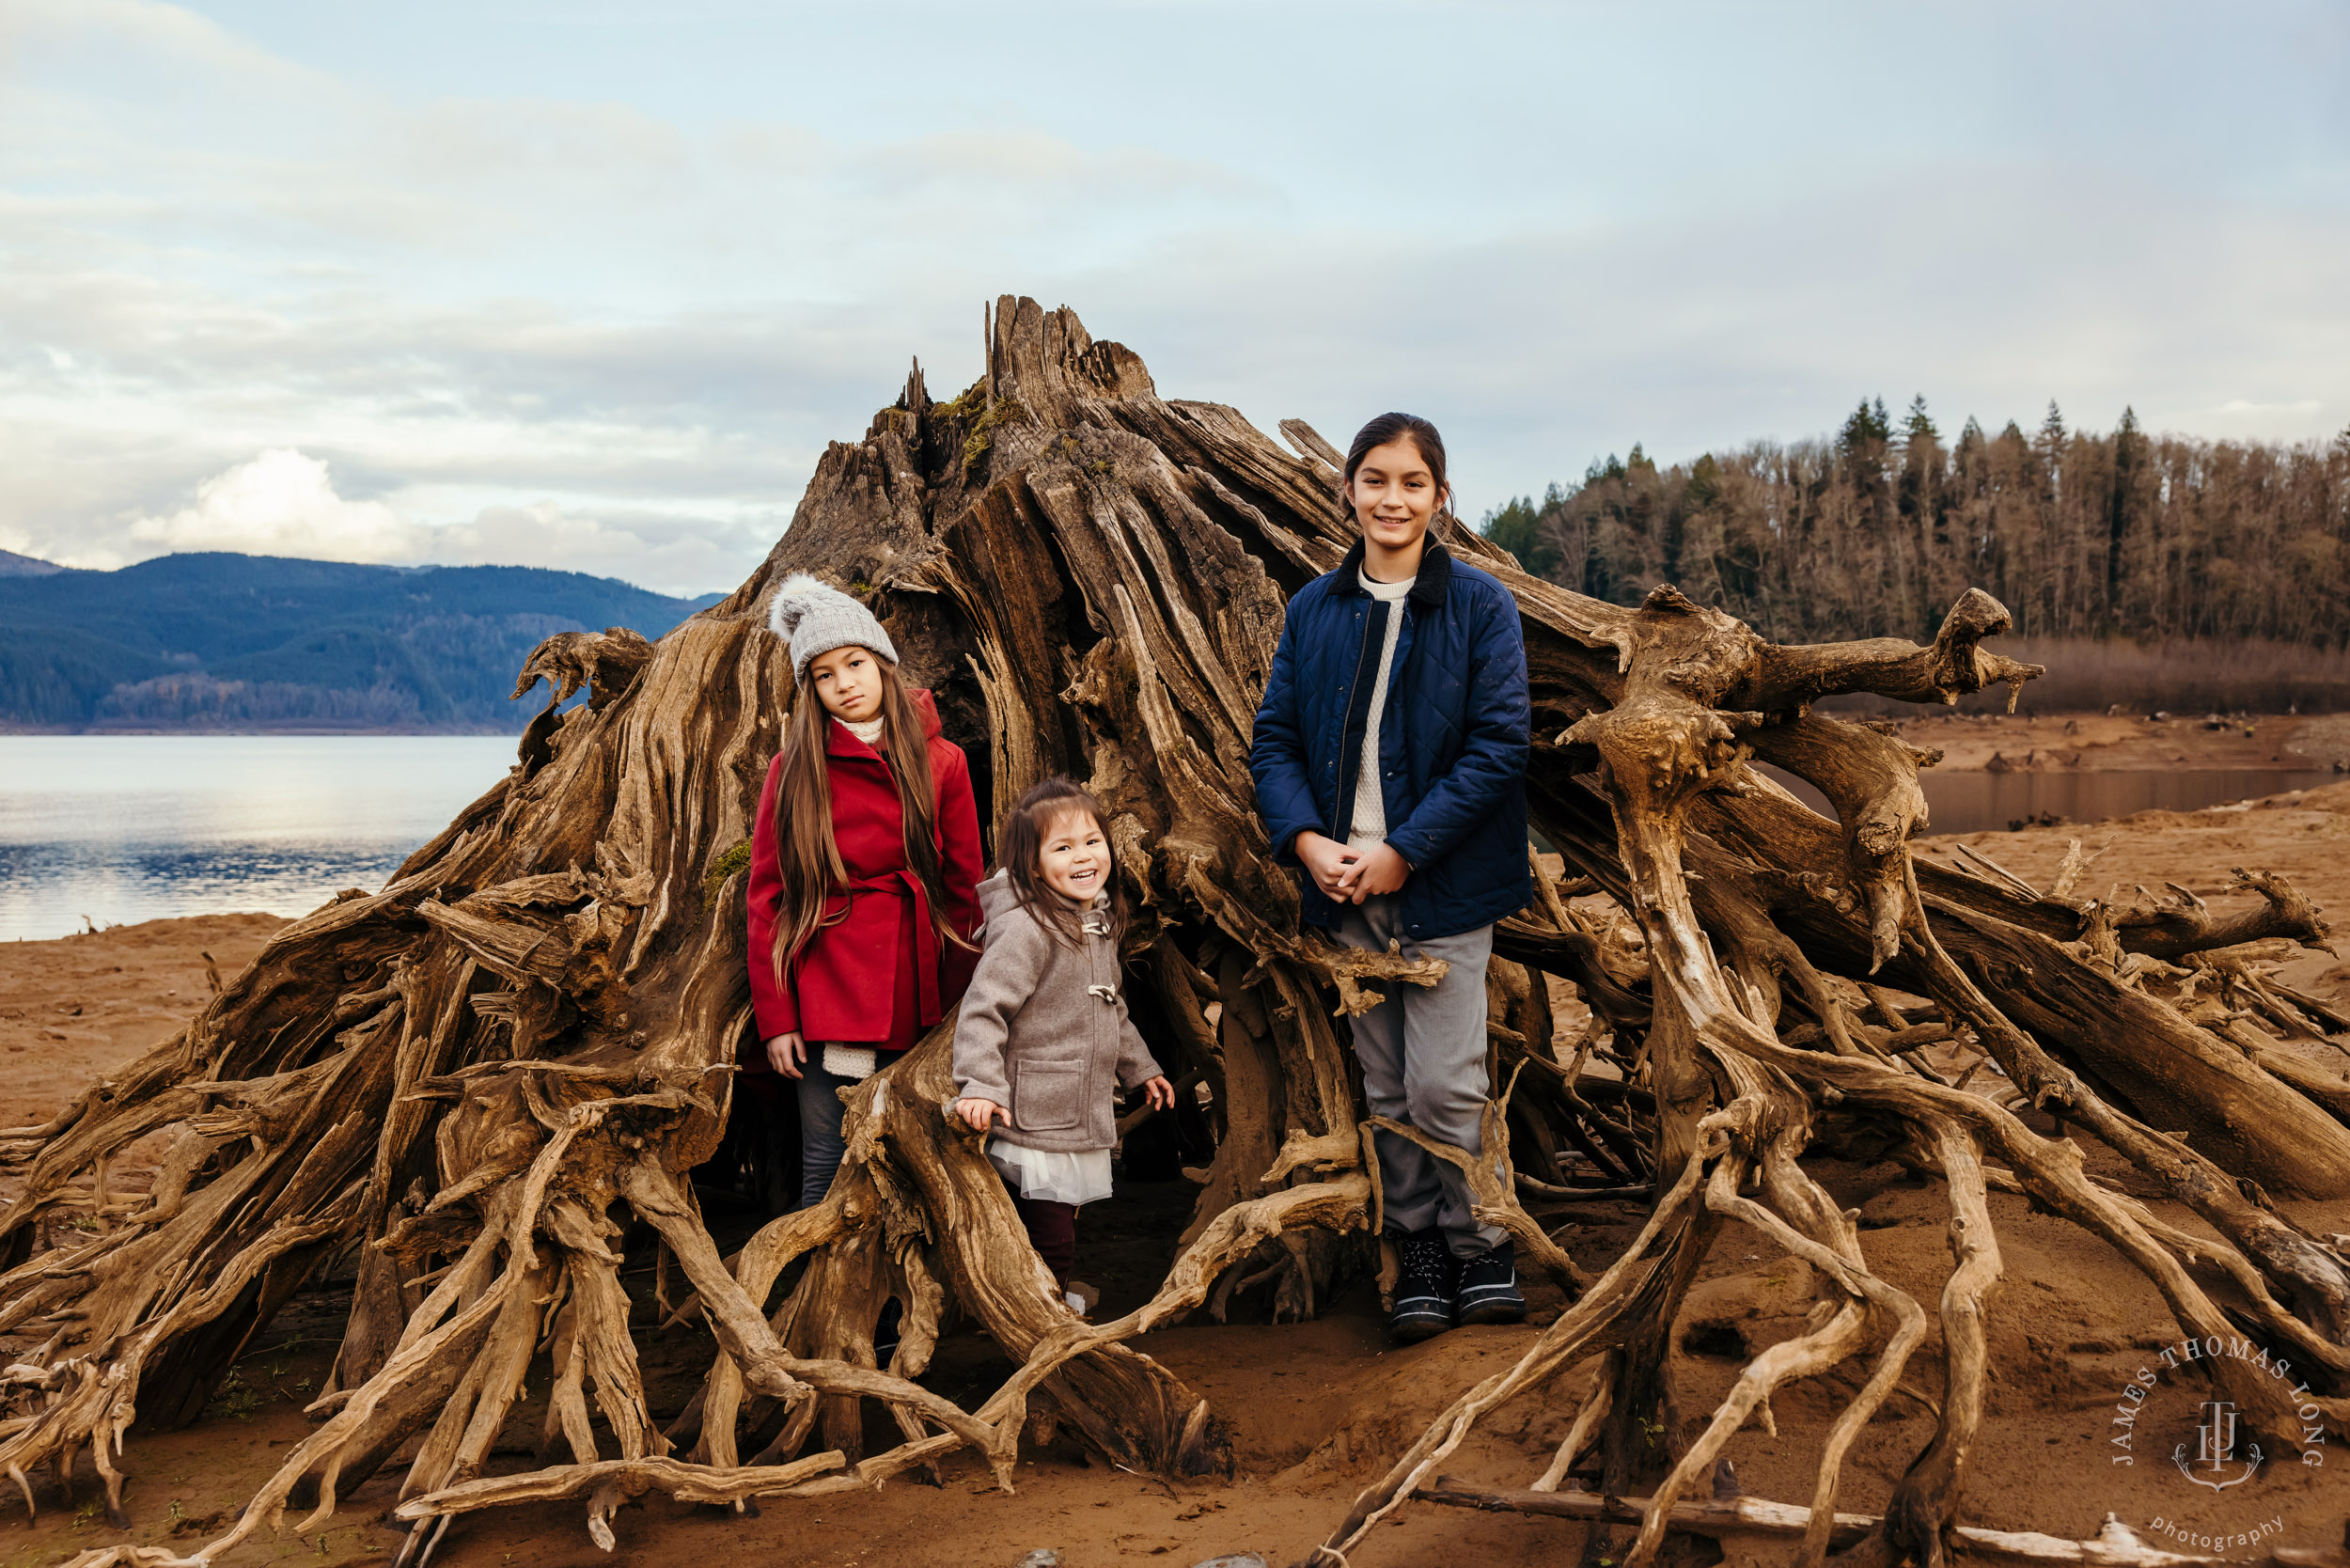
590, 283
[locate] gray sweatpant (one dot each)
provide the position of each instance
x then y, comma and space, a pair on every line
1423, 1055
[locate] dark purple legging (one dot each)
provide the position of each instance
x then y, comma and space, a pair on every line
1051, 1230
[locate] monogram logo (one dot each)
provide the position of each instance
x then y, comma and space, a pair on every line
2214, 1450
2205, 1378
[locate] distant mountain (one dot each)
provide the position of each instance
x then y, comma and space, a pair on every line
14, 565
216, 641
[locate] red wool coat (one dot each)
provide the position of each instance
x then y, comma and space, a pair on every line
879, 975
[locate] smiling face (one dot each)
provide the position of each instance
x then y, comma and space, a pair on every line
1074, 858
848, 682
1395, 496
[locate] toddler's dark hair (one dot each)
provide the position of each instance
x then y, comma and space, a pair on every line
1020, 850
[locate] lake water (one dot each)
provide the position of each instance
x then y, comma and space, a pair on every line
109, 829
115, 829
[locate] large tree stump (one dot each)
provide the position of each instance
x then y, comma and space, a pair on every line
466, 1082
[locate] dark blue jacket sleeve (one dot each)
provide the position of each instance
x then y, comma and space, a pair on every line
1276, 751
1493, 754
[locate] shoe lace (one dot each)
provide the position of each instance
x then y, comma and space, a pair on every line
1422, 1254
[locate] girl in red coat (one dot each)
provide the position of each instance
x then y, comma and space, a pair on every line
865, 864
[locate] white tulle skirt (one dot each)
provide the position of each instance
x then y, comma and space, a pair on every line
1056, 1176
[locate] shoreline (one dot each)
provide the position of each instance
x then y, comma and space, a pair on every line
2103, 741
2130, 743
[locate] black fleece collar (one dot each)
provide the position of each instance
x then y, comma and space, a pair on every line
1429, 588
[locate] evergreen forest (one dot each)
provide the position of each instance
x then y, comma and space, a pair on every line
2158, 538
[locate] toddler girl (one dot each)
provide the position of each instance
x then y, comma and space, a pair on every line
1044, 1037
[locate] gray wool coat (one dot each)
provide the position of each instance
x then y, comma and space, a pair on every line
1043, 1030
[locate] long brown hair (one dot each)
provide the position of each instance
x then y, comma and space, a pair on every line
813, 871
1020, 849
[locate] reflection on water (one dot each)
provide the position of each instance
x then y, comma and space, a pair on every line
1981, 801
115, 828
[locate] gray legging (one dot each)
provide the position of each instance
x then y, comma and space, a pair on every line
1423, 1055
820, 1110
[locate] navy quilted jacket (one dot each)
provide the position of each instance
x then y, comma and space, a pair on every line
1452, 737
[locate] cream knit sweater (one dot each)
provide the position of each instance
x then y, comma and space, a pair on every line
1370, 824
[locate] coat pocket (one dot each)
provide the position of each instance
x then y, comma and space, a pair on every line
1049, 1096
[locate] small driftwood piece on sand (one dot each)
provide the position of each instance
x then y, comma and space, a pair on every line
2114, 1546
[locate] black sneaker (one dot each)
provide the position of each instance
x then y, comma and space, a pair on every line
1424, 1284
1489, 1287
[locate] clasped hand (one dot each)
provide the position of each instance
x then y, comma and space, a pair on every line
1348, 875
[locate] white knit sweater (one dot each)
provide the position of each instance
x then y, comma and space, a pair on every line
1370, 824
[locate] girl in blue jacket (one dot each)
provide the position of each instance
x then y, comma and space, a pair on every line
1389, 759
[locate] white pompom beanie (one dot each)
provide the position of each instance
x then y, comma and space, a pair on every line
816, 619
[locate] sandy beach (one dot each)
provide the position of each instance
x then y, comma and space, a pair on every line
1317, 1410
2131, 743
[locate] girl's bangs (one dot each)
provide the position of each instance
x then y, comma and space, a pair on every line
1049, 815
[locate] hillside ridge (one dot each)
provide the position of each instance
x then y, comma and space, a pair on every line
14, 565
218, 641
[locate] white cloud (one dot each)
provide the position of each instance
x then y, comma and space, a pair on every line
280, 503
2302, 418
669, 555
574, 292
283, 502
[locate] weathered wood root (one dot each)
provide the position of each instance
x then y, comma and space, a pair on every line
1663, 750
472, 1080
